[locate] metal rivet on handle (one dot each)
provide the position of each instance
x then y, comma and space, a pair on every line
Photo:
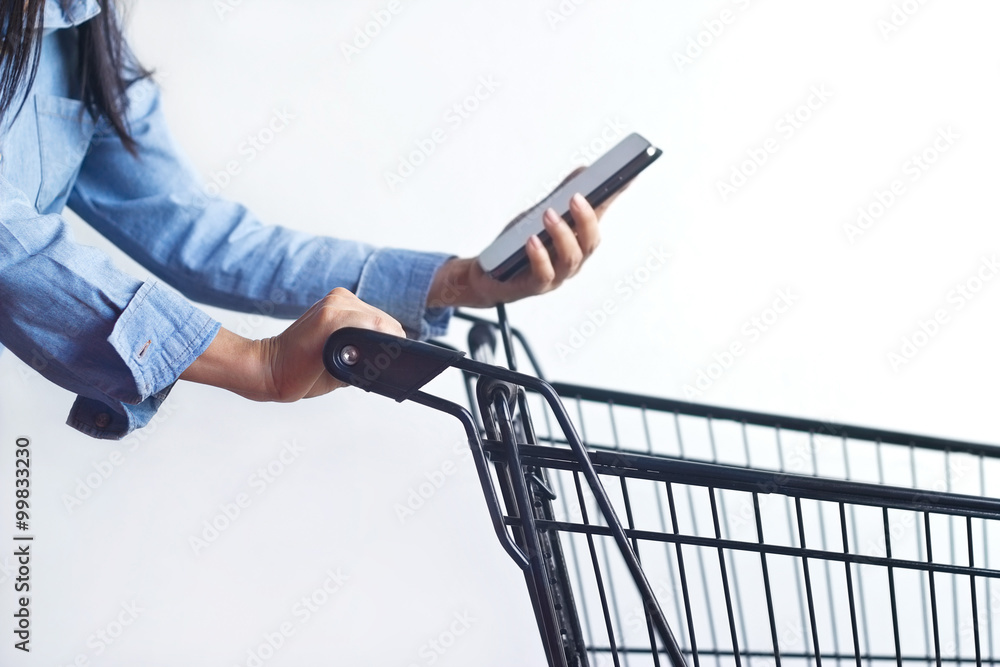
349, 355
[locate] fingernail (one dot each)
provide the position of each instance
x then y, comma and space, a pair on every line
551, 217
578, 199
535, 241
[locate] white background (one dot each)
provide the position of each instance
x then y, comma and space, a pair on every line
226, 70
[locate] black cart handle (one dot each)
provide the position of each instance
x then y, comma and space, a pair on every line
385, 364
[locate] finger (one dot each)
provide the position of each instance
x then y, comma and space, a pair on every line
381, 320
349, 308
542, 270
521, 215
346, 310
367, 317
568, 254
588, 235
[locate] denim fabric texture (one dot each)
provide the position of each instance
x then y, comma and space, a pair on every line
117, 342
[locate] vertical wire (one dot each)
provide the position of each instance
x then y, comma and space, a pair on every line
986, 559
746, 443
808, 580
892, 585
972, 589
570, 538
920, 556
635, 544
607, 562
614, 599
954, 558
930, 579
725, 534
725, 580
763, 556
597, 574
767, 581
666, 546
698, 552
635, 541
791, 536
683, 576
850, 587
826, 563
857, 544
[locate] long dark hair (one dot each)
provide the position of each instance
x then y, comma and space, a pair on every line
106, 65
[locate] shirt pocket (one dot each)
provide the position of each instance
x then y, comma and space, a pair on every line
65, 130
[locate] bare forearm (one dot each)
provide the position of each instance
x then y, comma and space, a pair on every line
231, 362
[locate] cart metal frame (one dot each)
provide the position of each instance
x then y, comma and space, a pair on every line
749, 538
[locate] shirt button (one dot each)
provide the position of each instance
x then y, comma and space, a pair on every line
102, 420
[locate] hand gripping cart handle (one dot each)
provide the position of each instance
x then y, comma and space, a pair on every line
398, 368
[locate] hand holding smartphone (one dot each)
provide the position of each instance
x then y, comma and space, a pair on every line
506, 257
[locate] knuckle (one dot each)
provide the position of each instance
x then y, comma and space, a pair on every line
340, 293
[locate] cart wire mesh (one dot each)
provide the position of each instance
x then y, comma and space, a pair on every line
765, 539
659, 532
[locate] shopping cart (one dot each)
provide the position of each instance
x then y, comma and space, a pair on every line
652, 531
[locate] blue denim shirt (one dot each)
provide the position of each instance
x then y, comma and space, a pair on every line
117, 342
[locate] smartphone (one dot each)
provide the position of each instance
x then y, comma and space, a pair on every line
505, 257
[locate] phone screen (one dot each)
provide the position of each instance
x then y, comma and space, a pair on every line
506, 256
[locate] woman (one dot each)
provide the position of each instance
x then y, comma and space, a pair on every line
81, 126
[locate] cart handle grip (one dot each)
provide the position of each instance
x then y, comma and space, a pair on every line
385, 364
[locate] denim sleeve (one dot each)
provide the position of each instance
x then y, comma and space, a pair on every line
116, 342
217, 252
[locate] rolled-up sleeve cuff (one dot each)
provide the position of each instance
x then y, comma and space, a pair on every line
398, 282
113, 421
157, 336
